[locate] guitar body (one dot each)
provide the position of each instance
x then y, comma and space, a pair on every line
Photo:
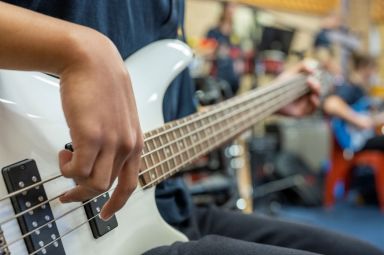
33, 126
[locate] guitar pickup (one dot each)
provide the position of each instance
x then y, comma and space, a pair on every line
98, 226
21, 175
92, 210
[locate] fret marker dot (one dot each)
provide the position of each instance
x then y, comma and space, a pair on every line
34, 178
53, 236
41, 198
41, 243
105, 195
49, 225
95, 200
28, 204
37, 232
37, 187
56, 244
98, 209
30, 212
34, 224
21, 184
43, 206
153, 176
47, 218
44, 251
24, 193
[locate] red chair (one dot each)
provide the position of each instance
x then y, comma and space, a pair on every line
340, 171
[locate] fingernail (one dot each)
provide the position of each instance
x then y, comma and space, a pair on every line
104, 217
63, 199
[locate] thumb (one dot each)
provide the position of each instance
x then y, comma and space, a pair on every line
65, 156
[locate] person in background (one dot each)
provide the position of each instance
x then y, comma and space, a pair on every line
227, 65
84, 42
351, 104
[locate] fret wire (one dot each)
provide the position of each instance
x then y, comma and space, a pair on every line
269, 109
218, 137
165, 156
172, 151
274, 106
184, 142
158, 154
172, 146
195, 135
192, 141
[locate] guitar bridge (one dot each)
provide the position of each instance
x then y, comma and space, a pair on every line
42, 235
3, 249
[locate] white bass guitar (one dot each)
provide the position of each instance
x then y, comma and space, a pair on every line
33, 130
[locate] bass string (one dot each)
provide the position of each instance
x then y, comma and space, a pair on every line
81, 224
171, 170
13, 194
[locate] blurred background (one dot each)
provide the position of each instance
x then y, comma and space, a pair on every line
326, 169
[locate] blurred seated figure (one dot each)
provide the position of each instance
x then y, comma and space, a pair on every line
353, 121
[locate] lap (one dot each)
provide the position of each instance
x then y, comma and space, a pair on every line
272, 231
219, 245
260, 232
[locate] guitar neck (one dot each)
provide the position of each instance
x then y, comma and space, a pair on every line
176, 144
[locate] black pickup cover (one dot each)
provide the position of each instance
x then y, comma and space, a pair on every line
93, 208
21, 175
98, 226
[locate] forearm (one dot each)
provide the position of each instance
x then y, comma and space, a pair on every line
33, 41
335, 106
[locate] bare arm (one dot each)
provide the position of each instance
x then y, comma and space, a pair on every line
335, 106
107, 137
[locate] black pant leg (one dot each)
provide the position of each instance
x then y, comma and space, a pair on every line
219, 245
375, 143
265, 230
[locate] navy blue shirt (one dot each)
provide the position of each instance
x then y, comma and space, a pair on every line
350, 93
131, 25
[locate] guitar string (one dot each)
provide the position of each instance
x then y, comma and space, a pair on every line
81, 223
67, 233
57, 219
268, 89
152, 167
13, 194
29, 233
180, 153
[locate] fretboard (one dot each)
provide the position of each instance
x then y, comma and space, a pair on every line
178, 143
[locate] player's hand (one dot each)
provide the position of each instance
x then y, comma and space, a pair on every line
100, 110
306, 104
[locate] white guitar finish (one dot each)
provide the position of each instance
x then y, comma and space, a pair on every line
33, 126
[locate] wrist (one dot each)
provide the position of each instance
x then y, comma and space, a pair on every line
82, 47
